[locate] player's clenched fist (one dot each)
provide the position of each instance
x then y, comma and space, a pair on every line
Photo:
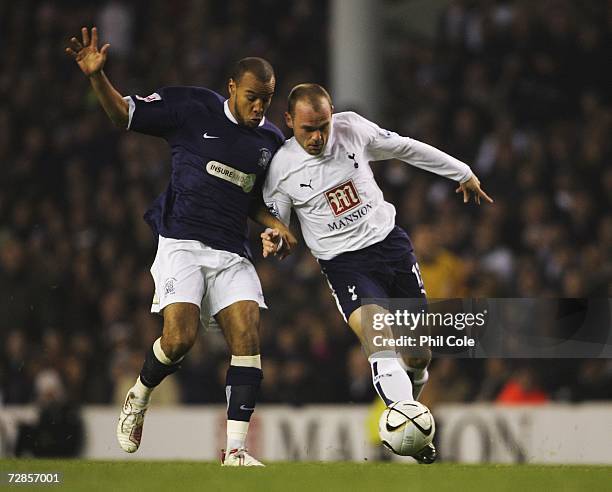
86, 53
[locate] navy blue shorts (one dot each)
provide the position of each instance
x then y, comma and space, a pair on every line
384, 270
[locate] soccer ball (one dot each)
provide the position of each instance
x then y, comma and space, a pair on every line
406, 427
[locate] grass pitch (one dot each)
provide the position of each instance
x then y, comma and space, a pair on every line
90, 476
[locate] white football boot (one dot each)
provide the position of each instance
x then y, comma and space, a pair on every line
238, 457
131, 421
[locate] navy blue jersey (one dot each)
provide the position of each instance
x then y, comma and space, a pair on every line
216, 165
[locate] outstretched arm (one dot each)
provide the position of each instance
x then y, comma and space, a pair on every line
389, 145
91, 62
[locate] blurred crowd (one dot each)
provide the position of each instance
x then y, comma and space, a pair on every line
519, 90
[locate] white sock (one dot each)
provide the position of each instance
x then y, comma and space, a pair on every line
141, 391
389, 377
236, 434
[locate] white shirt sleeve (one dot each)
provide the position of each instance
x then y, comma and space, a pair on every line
131, 108
384, 144
278, 203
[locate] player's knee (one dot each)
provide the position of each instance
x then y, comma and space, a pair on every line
181, 323
417, 357
177, 340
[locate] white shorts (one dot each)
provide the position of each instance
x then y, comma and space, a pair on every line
189, 271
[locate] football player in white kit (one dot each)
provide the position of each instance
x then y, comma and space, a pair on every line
323, 174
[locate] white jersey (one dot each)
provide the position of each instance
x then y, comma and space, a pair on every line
337, 201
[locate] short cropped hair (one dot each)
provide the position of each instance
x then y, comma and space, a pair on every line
312, 93
260, 68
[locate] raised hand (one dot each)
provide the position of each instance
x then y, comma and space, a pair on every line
86, 53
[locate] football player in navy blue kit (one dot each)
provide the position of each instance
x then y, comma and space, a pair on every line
202, 271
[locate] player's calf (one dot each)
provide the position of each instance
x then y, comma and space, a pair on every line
181, 321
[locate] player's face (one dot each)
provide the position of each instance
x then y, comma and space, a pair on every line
311, 127
250, 99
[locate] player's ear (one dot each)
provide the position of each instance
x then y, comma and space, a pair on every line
288, 119
231, 87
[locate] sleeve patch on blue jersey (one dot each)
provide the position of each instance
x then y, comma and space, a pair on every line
264, 157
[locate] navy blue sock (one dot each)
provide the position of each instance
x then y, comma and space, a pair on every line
153, 371
242, 386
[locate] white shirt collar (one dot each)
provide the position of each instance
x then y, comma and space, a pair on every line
231, 117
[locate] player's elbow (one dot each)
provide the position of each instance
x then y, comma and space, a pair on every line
120, 120
119, 114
